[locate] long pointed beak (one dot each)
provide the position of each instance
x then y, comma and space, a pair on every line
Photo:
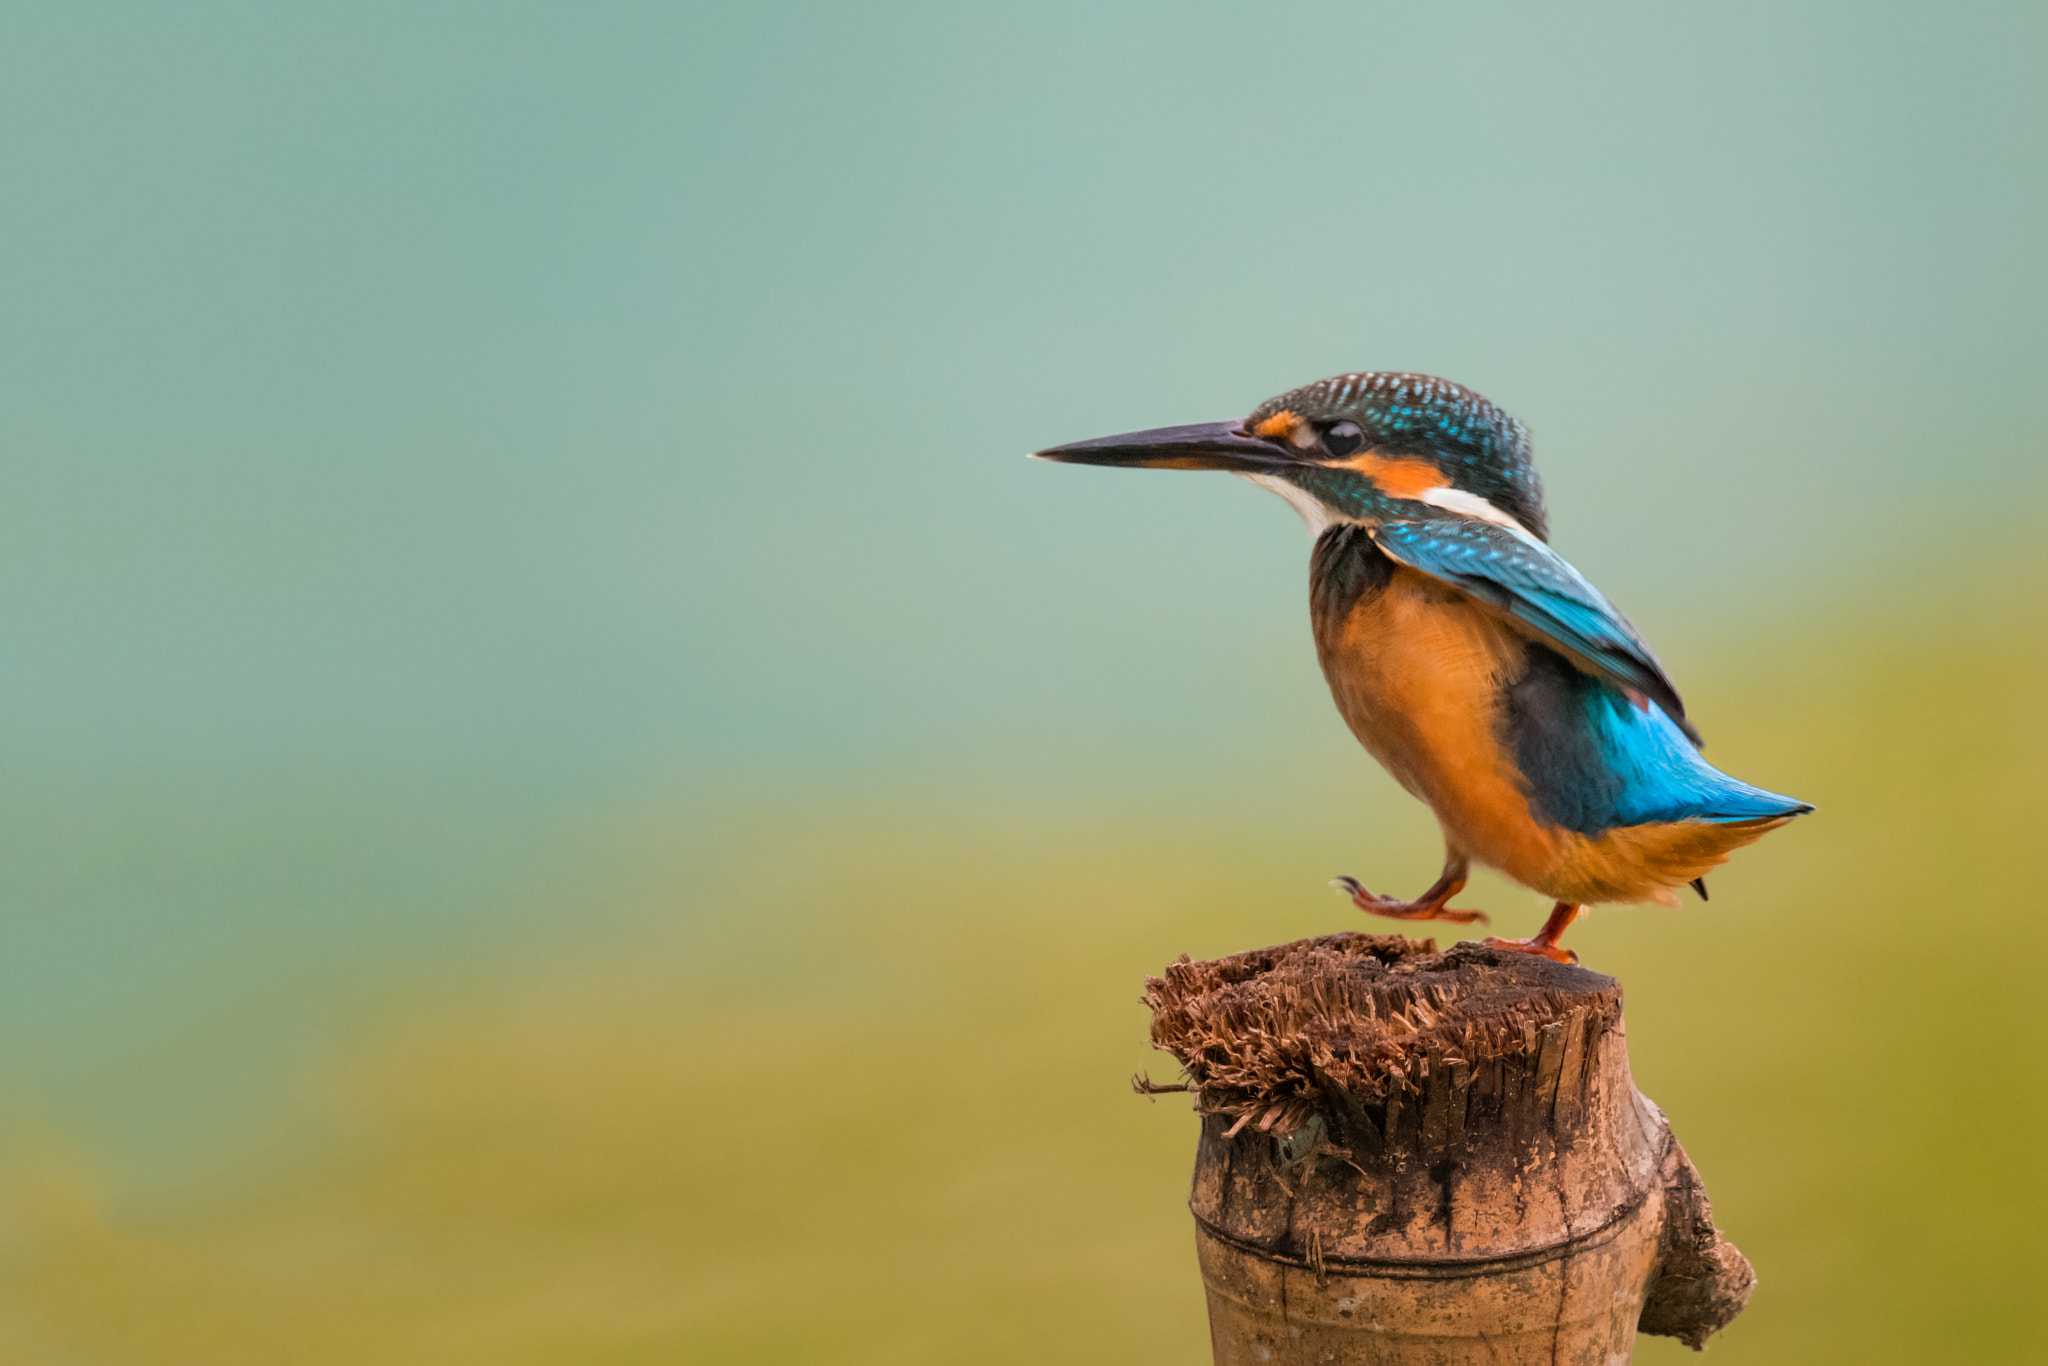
1201, 446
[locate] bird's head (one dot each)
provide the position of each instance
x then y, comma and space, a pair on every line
1355, 448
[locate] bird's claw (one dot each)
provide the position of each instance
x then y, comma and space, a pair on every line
1404, 910
1536, 946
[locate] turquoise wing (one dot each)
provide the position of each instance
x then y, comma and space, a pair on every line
1532, 583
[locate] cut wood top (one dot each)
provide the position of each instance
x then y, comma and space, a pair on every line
1268, 1036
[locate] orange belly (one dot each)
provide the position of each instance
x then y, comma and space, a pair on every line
1417, 671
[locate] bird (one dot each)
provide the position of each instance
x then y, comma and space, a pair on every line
1483, 672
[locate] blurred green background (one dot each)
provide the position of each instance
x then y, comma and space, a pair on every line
567, 796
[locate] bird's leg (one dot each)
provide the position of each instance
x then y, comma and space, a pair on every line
1545, 939
1431, 905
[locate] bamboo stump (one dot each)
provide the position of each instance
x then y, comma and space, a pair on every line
1414, 1157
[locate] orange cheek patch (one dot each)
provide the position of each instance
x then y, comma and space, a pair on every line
1279, 427
1397, 478
1408, 478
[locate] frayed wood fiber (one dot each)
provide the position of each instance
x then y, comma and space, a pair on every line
1275, 1035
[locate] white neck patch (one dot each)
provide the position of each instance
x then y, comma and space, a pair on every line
1472, 505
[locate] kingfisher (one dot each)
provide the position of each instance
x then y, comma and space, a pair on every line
1485, 673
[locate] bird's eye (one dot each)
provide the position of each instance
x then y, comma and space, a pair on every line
1342, 438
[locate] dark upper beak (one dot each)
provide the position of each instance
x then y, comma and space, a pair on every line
1202, 446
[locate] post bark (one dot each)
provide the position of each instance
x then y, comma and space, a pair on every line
1414, 1158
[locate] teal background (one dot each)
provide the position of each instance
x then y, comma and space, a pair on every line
485, 488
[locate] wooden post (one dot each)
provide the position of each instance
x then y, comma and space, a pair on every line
1410, 1157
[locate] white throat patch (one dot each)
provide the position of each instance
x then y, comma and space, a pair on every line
1316, 517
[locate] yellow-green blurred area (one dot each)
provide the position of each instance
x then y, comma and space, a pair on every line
870, 1104
566, 796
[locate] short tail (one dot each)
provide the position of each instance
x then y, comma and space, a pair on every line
1668, 780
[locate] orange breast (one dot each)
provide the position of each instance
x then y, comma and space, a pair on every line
1416, 671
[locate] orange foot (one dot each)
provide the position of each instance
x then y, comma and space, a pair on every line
1544, 941
1429, 906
